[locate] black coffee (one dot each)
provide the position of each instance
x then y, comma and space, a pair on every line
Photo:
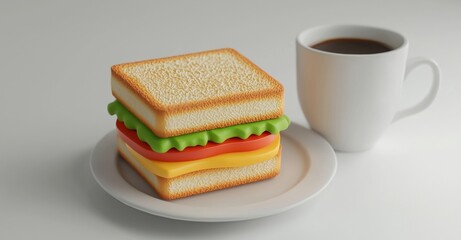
352, 46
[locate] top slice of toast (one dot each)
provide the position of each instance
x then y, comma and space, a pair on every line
203, 78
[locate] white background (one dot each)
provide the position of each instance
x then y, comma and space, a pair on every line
55, 60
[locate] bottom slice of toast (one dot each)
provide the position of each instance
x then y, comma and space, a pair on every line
204, 180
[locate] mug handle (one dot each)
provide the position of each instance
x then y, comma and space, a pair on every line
430, 97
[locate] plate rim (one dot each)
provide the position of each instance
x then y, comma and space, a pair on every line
291, 198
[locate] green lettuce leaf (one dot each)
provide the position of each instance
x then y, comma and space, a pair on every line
180, 142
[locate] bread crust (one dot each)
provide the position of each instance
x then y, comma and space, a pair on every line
130, 82
166, 114
162, 186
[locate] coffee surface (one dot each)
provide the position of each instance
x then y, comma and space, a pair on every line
352, 46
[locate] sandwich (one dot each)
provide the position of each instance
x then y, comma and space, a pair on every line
198, 122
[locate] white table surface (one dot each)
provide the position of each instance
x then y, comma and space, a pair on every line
55, 60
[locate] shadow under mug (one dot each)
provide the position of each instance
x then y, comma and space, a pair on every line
351, 99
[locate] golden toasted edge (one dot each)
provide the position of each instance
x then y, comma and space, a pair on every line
220, 124
163, 183
130, 83
159, 129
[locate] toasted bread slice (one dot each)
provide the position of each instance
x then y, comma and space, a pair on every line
199, 91
203, 180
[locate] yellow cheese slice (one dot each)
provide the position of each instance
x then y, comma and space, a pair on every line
235, 159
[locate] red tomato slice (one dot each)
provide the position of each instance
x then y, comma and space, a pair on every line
197, 152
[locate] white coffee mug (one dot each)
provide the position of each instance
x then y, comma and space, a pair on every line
351, 99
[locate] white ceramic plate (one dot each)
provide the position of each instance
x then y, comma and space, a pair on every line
308, 165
